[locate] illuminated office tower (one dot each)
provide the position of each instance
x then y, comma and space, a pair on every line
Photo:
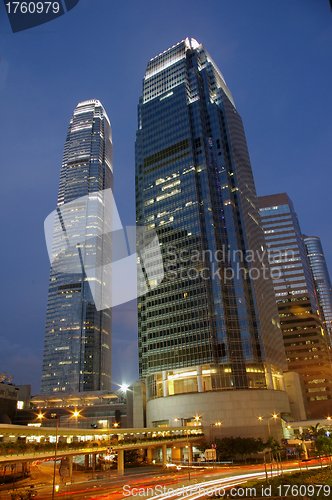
307, 348
77, 350
212, 324
322, 280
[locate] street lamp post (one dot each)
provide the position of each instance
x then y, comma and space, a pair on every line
212, 426
274, 417
182, 419
188, 454
55, 453
40, 416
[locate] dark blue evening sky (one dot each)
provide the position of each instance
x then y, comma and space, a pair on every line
276, 59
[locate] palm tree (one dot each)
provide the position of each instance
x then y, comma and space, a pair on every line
315, 431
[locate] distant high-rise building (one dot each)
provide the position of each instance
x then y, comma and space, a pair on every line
322, 280
307, 348
77, 350
212, 324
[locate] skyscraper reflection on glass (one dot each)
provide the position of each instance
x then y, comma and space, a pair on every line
77, 350
322, 280
212, 323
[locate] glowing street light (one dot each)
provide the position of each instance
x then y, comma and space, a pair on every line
274, 417
55, 453
212, 426
197, 420
40, 416
268, 423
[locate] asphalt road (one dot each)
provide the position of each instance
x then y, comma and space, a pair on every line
140, 483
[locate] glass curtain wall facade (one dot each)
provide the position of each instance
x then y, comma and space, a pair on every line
212, 323
322, 280
77, 350
307, 347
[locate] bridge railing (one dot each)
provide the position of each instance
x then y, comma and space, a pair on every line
8, 449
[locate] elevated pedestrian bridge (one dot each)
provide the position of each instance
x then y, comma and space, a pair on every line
27, 444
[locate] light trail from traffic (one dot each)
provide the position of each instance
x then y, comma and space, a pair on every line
199, 490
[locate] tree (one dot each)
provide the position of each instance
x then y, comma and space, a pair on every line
323, 446
225, 448
273, 446
315, 431
133, 457
230, 447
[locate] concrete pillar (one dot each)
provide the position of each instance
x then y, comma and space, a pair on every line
149, 455
176, 454
190, 454
282, 383
70, 463
268, 375
94, 460
164, 450
87, 461
121, 462
199, 379
165, 384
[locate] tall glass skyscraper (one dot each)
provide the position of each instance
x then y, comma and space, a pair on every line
307, 347
212, 323
77, 350
322, 280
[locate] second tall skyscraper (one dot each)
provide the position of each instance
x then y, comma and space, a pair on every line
77, 351
212, 323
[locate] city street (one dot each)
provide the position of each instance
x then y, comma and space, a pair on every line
151, 481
